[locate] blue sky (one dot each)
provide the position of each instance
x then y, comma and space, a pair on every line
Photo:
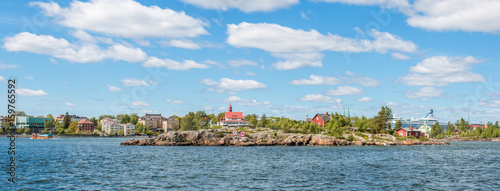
280, 58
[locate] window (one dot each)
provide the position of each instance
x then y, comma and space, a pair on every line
400, 133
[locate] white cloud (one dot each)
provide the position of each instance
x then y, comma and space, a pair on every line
174, 101
148, 111
345, 90
399, 56
248, 73
317, 80
490, 103
365, 99
244, 5
114, 88
441, 71
134, 82
245, 102
182, 43
385, 41
425, 92
30, 78
69, 104
359, 79
152, 82
140, 103
8, 66
304, 15
2, 78
239, 63
299, 48
226, 84
466, 15
125, 18
28, 92
173, 65
318, 98
390, 103
80, 53
382, 3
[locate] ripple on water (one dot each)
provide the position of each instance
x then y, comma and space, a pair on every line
101, 164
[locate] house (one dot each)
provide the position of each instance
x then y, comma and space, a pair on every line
321, 119
233, 119
60, 118
35, 124
154, 121
405, 132
85, 125
110, 126
457, 132
475, 126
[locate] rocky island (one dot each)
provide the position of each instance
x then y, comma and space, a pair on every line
224, 137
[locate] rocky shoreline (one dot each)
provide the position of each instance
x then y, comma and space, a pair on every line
223, 137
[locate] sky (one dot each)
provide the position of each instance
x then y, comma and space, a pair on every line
280, 58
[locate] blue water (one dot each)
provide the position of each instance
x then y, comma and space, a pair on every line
102, 164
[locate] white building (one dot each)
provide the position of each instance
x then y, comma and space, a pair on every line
113, 126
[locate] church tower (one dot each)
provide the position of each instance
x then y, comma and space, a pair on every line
230, 108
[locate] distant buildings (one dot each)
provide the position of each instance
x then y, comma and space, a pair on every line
155, 122
404, 132
321, 119
233, 119
86, 126
60, 118
172, 124
35, 124
113, 126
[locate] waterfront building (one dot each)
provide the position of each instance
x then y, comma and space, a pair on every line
35, 124
2, 120
171, 124
85, 125
110, 126
155, 122
321, 119
128, 129
233, 119
404, 132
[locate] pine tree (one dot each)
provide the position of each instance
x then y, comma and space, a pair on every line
66, 121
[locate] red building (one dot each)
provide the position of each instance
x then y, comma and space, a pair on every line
86, 125
457, 132
404, 132
321, 119
234, 119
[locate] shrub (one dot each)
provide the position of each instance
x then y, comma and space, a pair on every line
350, 138
359, 134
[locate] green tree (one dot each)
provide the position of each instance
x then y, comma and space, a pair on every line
188, 122
27, 131
263, 120
381, 121
50, 116
94, 121
134, 118
48, 124
19, 130
398, 124
436, 130
450, 128
20, 113
66, 121
73, 126
253, 121
120, 132
60, 130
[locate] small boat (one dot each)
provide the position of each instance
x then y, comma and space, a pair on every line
41, 136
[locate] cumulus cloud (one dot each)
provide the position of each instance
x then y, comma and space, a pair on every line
80, 53
490, 103
243, 5
226, 84
441, 71
245, 102
443, 15
318, 98
141, 21
2, 78
140, 103
345, 90
239, 63
173, 65
365, 99
114, 88
69, 104
317, 80
134, 82
174, 101
425, 92
182, 43
299, 48
28, 92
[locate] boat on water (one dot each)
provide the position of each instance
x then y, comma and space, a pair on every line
41, 136
429, 120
